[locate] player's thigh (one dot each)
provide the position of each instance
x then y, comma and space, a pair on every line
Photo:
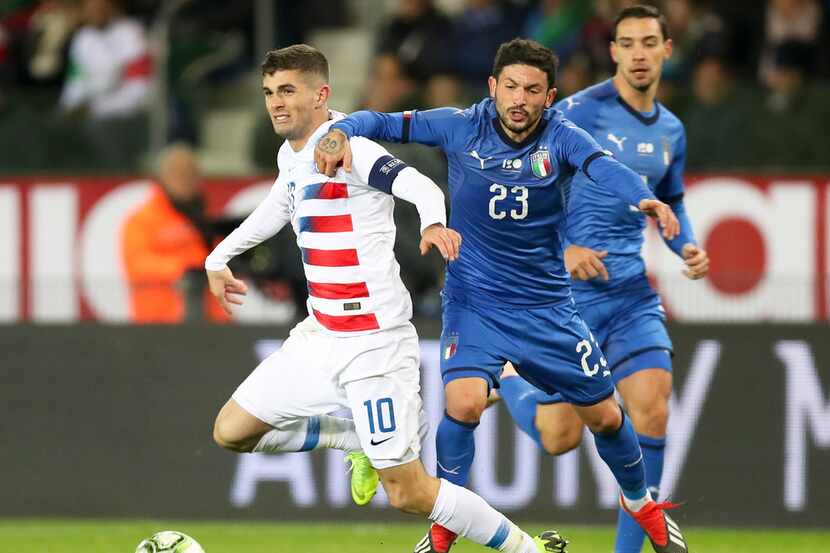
387, 408
298, 380
566, 358
474, 344
559, 427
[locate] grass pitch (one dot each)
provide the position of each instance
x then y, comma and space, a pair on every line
105, 536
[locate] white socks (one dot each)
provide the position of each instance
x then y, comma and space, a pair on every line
635, 505
468, 515
309, 433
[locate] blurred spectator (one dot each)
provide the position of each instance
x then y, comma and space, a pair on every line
46, 45
478, 31
413, 66
790, 22
109, 82
164, 245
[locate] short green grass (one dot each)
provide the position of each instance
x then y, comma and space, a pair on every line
111, 536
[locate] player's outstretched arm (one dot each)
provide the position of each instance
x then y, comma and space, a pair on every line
584, 263
445, 240
434, 127
226, 288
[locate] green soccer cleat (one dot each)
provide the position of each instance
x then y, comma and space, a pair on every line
551, 541
364, 477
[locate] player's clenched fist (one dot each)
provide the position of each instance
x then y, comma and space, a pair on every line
697, 261
585, 263
226, 288
333, 148
444, 239
664, 215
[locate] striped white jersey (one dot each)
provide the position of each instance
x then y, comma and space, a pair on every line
345, 231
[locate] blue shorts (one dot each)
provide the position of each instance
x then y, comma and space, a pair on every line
551, 347
631, 329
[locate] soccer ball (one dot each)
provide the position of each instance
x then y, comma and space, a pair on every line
169, 541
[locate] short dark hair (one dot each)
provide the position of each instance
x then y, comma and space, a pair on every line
643, 11
301, 57
523, 51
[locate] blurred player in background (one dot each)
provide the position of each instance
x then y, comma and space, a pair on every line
357, 348
604, 258
507, 298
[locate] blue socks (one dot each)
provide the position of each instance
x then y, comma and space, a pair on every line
630, 536
621, 452
456, 449
520, 398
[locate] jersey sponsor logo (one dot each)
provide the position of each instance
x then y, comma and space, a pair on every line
351, 306
540, 163
373, 442
572, 102
512, 164
645, 148
474, 154
618, 141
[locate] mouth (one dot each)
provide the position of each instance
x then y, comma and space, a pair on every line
279, 118
517, 115
640, 72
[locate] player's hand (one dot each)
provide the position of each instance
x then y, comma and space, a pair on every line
665, 217
697, 261
226, 288
444, 239
331, 150
585, 263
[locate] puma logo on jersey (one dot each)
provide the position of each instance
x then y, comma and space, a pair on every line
571, 102
481, 160
617, 141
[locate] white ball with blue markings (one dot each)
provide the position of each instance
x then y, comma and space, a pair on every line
169, 541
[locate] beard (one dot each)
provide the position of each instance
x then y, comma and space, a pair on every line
518, 128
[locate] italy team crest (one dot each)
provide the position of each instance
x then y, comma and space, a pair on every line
540, 163
450, 346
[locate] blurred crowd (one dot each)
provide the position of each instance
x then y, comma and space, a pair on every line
77, 77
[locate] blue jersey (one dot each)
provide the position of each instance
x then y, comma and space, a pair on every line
507, 197
653, 146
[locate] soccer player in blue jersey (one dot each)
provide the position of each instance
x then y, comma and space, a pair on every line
507, 296
610, 288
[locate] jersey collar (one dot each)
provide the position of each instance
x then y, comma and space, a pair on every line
543, 122
650, 120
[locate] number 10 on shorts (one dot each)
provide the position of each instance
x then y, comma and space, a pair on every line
382, 412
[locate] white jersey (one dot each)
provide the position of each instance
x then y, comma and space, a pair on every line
345, 231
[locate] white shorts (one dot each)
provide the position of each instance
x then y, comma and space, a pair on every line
375, 375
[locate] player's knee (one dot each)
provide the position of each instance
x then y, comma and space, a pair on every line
224, 437
605, 421
563, 440
467, 408
651, 419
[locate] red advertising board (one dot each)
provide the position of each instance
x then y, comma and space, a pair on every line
767, 238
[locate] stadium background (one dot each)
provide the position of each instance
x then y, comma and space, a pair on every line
104, 418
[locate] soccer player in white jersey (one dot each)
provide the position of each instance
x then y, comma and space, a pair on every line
357, 348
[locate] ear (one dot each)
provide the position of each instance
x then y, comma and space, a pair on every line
550, 98
491, 82
612, 48
669, 47
323, 94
